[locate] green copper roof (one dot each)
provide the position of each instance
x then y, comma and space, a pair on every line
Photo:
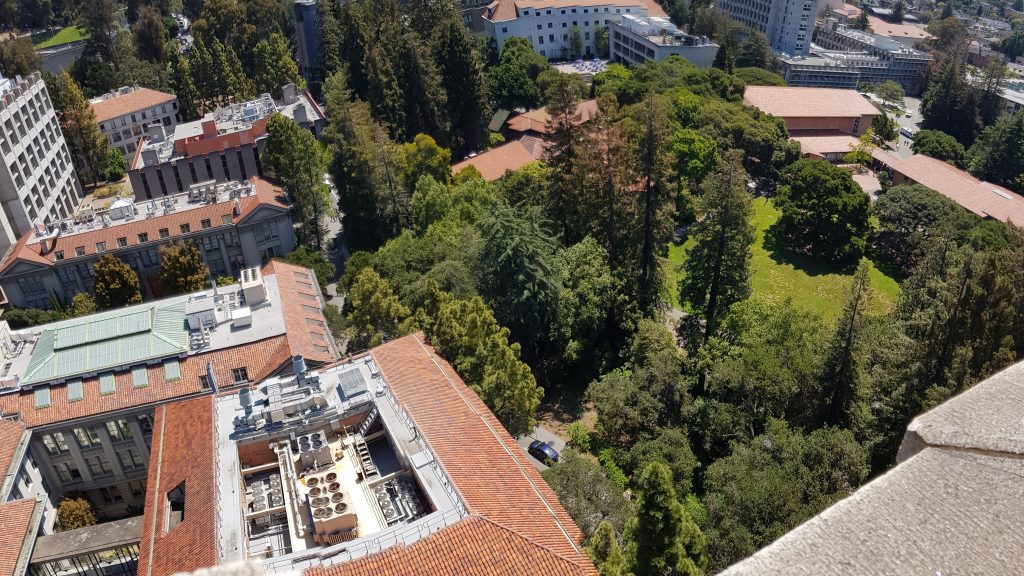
116, 338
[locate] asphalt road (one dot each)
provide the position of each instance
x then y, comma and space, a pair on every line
913, 105
545, 436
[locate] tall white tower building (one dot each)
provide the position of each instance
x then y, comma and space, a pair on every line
788, 24
38, 184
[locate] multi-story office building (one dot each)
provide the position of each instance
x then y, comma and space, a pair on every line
235, 225
222, 146
875, 59
547, 23
638, 39
124, 114
216, 428
87, 387
788, 24
38, 183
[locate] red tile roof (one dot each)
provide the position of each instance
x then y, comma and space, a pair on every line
883, 28
267, 194
494, 163
303, 317
183, 451
984, 199
488, 469
473, 547
16, 519
800, 102
260, 358
10, 435
537, 120
201, 145
138, 99
823, 142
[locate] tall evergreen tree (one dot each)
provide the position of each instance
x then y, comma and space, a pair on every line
293, 155
998, 154
861, 22
604, 550
275, 66
200, 66
664, 540
655, 196
184, 88
950, 104
331, 37
88, 146
725, 58
561, 153
990, 88
717, 270
150, 35
463, 79
755, 51
840, 403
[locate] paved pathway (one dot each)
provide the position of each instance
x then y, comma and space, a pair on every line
543, 435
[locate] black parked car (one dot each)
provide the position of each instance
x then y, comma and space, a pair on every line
541, 451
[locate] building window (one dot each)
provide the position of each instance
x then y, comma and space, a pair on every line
118, 430
205, 223
55, 443
87, 437
79, 250
67, 472
31, 285
145, 424
101, 247
164, 233
58, 255
204, 382
98, 465
122, 242
143, 237
240, 374
185, 228
130, 459
111, 495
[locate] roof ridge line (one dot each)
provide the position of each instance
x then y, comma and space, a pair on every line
530, 540
504, 447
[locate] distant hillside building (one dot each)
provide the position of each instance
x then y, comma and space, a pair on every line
38, 183
845, 58
222, 146
124, 114
637, 39
788, 24
547, 23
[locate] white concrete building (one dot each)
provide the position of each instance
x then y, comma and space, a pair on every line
124, 114
38, 183
788, 24
638, 39
547, 23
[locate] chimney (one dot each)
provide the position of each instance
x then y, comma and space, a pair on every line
238, 207
299, 368
209, 128
289, 93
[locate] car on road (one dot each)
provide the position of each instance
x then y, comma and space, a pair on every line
542, 451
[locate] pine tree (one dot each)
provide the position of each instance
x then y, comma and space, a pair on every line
181, 268
87, 145
294, 157
990, 100
330, 38
604, 550
115, 283
949, 104
463, 79
839, 377
275, 66
240, 85
425, 99
717, 269
724, 58
655, 196
200, 66
899, 9
862, 22
373, 311
755, 51
150, 35
562, 152
184, 88
664, 541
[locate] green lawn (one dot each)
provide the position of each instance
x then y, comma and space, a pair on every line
820, 288
63, 36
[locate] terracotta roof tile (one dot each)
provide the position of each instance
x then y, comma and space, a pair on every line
487, 467
823, 142
267, 194
883, 28
473, 547
260, 358
494, 163
537, 120
800, 102
10, 435
138, 99
304, 320
16, 519
183, 451
984, 199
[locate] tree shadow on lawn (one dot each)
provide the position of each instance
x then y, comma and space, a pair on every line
781, 253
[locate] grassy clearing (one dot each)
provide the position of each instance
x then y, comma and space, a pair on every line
55, 37
818, 287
